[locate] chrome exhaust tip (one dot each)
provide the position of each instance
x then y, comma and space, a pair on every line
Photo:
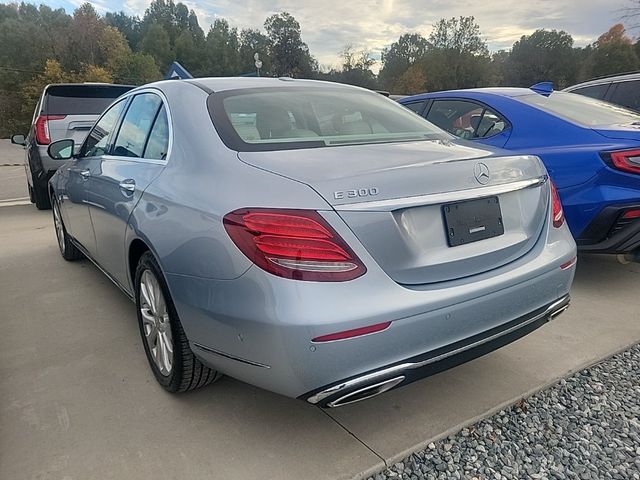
366, 392
559, 307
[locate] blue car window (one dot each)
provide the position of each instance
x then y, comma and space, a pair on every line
466, 119
416, 107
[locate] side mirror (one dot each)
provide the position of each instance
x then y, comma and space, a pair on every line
61, 150
18, 140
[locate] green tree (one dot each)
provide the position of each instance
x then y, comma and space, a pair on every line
251, 42
545, 55
457, 56
399, 57
222, 49
612, 53
137, 69
289, 54
129, 26
155, 42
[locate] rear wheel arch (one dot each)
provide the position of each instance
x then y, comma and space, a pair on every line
137, 248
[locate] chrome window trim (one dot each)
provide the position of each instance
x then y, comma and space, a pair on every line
444, 197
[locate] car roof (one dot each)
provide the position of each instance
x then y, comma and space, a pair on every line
218, 84
608, 79
498, 91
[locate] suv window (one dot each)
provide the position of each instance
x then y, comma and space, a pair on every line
80, 99
466, 119
97, 140
158, 141
593, 91
416, 107
136, 125
627, 94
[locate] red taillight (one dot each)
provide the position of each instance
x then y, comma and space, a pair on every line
42, 128
296, 244
356, 332
627, 160
631, 214
558, 214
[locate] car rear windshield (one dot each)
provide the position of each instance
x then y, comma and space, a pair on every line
81, 99
582, 110
266, 119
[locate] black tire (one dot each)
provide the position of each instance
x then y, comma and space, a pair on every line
187, 372
67, 248
41, 197
31, 199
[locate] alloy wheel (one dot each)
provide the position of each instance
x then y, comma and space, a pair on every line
59, 228
155, 322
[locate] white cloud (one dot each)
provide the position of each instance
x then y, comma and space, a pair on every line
328, 25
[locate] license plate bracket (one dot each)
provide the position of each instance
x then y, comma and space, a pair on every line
472, 220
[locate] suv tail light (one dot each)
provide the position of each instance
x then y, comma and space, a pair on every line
626, 160
296, 244
558, 214
42, 128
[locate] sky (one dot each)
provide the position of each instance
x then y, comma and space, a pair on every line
329, 25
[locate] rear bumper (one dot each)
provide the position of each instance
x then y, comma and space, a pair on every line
610, 233
402, 373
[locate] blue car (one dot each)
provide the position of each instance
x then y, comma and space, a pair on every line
590, 148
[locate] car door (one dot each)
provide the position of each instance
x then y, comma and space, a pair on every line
75, 206
137, 155
470, 120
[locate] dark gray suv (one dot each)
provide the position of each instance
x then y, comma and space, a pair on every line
66, 110
622, 90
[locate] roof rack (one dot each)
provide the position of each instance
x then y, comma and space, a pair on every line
621, 74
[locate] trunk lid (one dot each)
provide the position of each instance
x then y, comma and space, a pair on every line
392, 197
629, 131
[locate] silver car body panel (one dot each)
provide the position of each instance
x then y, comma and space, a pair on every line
258, 327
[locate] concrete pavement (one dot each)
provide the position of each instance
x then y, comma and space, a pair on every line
79, 402
13, 186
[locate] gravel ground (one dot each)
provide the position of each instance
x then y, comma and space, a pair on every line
585, 427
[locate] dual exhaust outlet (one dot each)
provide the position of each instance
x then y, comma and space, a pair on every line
373, 384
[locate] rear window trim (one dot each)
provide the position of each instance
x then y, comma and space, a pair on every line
229, 136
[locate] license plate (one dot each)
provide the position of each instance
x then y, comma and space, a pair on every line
473, 220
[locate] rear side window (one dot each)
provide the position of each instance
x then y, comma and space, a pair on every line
284, 118
466, 119
137, 123
627, 94
80, 99
416, 107
98, 138
593, 91
158, 142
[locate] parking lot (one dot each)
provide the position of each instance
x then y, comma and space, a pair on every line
79, 401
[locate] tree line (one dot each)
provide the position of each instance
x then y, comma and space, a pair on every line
41, 45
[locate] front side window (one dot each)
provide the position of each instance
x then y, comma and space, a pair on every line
286, 118
580, 109
97, 140
627, 94
465, 119
136, 125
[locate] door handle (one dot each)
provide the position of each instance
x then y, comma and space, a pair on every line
128, 186
85, 174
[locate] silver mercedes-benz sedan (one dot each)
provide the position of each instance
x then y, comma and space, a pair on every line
314, 239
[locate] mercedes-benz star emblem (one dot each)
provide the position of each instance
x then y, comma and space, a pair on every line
481, 172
